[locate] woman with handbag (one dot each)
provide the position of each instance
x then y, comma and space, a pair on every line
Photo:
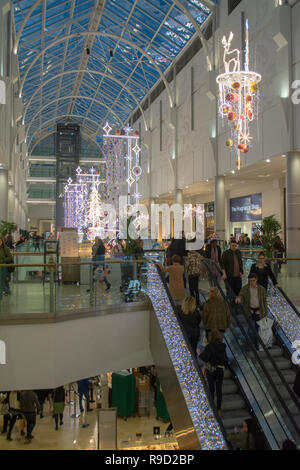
5, 258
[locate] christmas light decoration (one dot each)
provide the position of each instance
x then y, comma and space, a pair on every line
119, 149
83, 205
238, 96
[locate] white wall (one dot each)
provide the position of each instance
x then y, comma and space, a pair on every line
270, 131
49, 355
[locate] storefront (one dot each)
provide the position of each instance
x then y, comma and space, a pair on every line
245, 215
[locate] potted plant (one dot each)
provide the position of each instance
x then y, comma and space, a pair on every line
269, 229
7, 228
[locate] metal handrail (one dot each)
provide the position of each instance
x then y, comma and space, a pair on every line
257, 357
211, 402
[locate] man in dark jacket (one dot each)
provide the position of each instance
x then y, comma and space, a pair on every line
30, 406
232, 267
83, 391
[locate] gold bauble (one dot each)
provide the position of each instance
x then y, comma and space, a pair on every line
229, 143
253, 87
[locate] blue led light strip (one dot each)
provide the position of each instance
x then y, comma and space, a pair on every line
206, 426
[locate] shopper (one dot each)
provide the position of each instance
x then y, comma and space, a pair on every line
279, 250
178, 247
83, 391
263, 271
30, 406
216, 313
193, 266
232, 268
215, 358
14, 411
5, 258
176, 282
244, 439
98, 251
59, 397
190, 319
214, 254
254, 300
42, 395
4, 410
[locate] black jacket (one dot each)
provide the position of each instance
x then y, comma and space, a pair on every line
178, 247
215, 354
190, 323
227, 262
264, 275
59, 395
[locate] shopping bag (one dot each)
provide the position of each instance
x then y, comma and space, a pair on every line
265, 331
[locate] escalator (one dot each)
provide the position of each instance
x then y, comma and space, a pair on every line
250, 389
272, 366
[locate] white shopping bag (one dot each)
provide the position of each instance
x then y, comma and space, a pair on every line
265, 331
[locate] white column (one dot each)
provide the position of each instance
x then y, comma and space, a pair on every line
179, 196
220, 207
293, 206
3, 194
11, 204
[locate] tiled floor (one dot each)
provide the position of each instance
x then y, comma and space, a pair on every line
71, 436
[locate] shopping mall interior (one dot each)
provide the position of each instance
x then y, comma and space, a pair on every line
149, 225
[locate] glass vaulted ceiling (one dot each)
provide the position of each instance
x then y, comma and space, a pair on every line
54, 89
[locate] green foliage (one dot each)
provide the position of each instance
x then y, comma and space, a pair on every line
131, 245
7, 228
269, 229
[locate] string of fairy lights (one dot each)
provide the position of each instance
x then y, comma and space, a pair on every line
206, 426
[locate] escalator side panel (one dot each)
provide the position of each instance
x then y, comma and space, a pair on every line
206, 426
183, 426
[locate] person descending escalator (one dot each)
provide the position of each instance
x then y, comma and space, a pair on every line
216, 313
254, 300
215, 359
190, 319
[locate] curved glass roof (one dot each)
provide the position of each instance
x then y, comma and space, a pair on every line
69, 73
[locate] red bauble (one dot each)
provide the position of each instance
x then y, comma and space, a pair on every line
248, 99
236, 98
245, 149
229, 97
231, 116
118, 132
136, 133
250, 115
236, 85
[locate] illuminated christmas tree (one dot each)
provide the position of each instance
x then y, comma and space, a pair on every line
94, 219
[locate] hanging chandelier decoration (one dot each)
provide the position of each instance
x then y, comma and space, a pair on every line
238, 96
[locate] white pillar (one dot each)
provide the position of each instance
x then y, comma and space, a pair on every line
3, 194
179, 196
293, 205
11, 204
220, 207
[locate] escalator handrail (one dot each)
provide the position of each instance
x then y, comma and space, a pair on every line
198, 369
283, 294
257, 357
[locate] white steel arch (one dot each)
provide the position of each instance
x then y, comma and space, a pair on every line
110, 77
65, 98
75, 116
211, 5
100, 34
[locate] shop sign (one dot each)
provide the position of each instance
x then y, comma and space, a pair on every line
247, 208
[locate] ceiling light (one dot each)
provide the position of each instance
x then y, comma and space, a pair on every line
284, 156
268, 161
233, 172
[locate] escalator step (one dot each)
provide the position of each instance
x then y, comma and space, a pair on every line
232, 419
282, 364
233, 402
229, 387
